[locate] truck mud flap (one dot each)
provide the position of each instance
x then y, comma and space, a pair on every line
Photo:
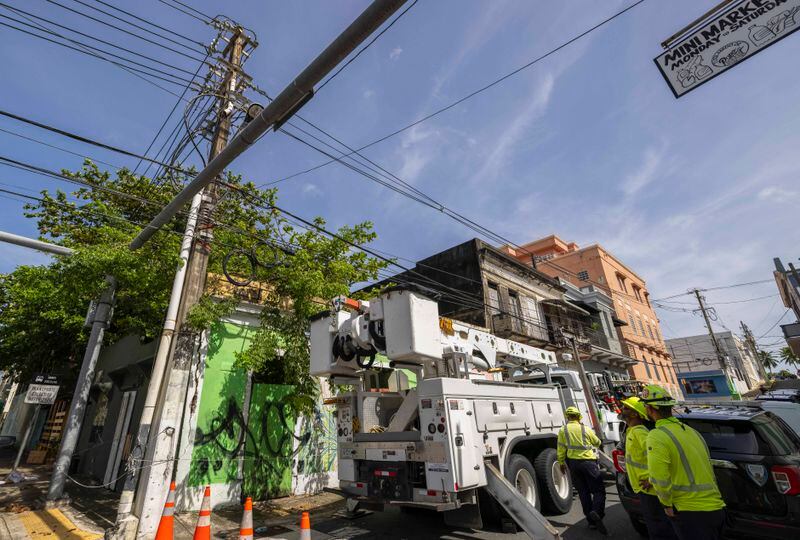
527, 517
605, 461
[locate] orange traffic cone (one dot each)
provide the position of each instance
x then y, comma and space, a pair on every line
202, 530
305, 526
246, 529
165, 526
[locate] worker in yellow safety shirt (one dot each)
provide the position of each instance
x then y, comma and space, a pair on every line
680, 471
635, 416
577, 450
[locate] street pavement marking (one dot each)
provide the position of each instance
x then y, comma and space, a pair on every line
53, 524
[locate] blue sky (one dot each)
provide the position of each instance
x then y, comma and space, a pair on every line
589, 144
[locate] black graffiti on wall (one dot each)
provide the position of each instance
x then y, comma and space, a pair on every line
229, 436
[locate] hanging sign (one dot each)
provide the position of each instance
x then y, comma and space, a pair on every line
738, 32
42, 390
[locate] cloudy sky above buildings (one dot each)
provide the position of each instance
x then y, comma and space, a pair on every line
589, 143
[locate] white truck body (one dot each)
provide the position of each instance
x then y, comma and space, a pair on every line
436, 444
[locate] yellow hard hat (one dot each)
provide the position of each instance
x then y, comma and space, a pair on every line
573, 411
656, 396
635, 404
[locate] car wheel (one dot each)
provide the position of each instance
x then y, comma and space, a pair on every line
522, 476
556, 485
640, 527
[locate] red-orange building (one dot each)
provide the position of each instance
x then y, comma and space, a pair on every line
641, 336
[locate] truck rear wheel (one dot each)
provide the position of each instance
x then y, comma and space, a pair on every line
556, 485
522, 476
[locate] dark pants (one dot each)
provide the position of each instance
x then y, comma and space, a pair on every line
658, 524
588, 480
699, 525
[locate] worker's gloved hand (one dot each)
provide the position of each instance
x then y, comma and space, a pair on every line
645, 483
669, 511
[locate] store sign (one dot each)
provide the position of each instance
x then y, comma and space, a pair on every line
42, 390
735, 34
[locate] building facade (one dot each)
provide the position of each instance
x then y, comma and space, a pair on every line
481, 285
788, 282
240, 434
702, 375
640, 336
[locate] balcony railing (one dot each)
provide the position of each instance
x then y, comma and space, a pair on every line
509, 326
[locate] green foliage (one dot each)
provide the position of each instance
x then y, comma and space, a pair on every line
767, 360
208, 311
42, 309
320, 269
788, 356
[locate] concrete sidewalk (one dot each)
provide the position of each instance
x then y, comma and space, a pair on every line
277, 518
92, 509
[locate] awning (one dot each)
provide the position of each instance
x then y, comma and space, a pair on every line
565, 304
606, 356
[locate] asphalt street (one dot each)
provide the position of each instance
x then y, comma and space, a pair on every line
393, 524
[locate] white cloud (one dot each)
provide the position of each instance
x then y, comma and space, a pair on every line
395, 53
646, 172
498, 156
418, 149
777, 194
311, 190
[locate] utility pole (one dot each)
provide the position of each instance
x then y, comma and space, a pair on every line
594, 416
711, 334
753, 348
100, 320
148, 493
720, 355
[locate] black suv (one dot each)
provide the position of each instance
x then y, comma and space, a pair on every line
756, 459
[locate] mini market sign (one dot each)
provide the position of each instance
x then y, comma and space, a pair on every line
737, 31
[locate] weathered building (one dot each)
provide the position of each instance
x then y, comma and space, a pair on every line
788, 282
702, 375
477, 283
240, 435
641, 337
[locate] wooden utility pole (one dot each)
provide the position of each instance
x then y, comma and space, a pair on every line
704, 310
153, 482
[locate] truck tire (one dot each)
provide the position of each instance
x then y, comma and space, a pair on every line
556, 486
522, 476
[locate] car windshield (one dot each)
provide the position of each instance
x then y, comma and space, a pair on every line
788, 412
760, 435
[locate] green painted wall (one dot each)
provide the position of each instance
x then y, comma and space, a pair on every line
219, 435
268, 442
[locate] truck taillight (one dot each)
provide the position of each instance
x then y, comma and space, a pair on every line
787, 479
390, 474
619, 460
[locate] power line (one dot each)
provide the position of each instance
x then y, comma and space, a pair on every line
85, 139
135, 53
106, 23
746, 284
134, 71
776, 323
39, 141
479, 90
171, 112
128, 13
205, 20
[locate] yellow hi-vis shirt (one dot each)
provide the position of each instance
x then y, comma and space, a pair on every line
576, 442
636, 457
680, 468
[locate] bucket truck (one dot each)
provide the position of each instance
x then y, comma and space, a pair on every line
471, 434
